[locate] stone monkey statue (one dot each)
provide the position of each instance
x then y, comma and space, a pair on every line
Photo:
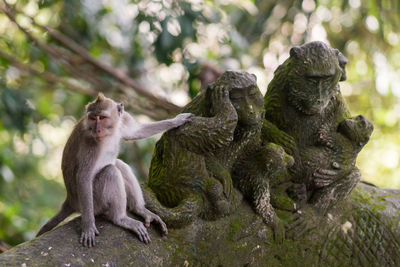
99, 183
261, 174
193, 166
339, 152
302, 99
190, 172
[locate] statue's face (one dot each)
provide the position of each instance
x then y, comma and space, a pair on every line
312, 89
314, 72
248, 103
358, 129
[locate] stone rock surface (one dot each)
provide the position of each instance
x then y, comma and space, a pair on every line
363, 231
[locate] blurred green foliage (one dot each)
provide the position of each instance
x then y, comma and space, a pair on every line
163, 46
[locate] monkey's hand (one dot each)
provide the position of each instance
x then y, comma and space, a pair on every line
89, 231
182, 119
150, 217
323, 177
220, 97
324, 138
221, 104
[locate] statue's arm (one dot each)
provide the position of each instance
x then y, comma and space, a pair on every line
341, 110
206, 134
271, 133
325, 177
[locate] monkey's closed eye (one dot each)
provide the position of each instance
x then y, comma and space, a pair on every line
253, 93
313, 79
235, 96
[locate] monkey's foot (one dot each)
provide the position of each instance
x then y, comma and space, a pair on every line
150, 217
222, 207
225, 206
299, 225
88, 236
139, 229
279, 228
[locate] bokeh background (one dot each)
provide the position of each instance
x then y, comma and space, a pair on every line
155, 56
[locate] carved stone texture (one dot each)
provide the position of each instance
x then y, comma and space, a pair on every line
307, 116
193, 166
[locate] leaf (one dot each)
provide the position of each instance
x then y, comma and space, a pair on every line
14, 110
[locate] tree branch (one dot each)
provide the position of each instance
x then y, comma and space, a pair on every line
82, 52
51, 78
48, 76
117, 74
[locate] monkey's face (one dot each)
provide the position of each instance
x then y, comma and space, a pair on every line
100, 125
357, 129
102, 117
311, 91
248, 103
313, 76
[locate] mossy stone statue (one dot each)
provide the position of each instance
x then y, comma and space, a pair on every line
307, 116
192, 167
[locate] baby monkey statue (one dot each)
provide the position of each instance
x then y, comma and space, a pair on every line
99, 183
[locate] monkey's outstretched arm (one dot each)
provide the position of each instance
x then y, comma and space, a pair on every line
132, 131
85, 195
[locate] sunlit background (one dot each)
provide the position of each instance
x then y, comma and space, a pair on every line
166, 47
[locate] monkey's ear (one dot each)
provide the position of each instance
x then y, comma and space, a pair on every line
120, 108
295, 51
255, 77
342, 59
337, 52
100, 97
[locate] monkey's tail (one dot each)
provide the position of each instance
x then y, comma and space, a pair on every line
65, 211
176, 217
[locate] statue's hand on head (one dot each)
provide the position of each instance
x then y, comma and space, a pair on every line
220, 102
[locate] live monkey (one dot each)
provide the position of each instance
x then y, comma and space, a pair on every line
99, 183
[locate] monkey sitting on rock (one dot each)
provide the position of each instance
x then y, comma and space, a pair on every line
99, 183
